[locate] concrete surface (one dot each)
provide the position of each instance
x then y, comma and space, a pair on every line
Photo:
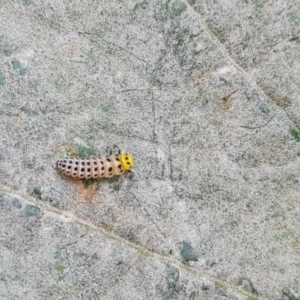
205, 96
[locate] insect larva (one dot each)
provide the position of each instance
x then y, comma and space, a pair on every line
108, 166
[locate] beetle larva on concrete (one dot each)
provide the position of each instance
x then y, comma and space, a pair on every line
101, 167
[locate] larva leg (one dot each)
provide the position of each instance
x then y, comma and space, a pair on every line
130, 173
109, 150
118, 148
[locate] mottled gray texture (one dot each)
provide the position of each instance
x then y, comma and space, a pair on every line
195, 92
263, 37
46, 254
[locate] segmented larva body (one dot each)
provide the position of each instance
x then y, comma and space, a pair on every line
108, 166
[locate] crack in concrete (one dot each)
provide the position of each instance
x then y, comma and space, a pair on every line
233, 62
139, 248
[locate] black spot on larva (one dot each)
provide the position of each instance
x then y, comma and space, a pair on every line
89, 169
117, 158
70, 161
74, 174
96, 169
128, 163
88, 163
121, 171
120, 167
95, 163
110, 169
102, 168
101, 162
76, 163
126, 157
75, 169
63, 165
88, 175
65, 161
82, 163
110, 174
81, 175
59, 163
82, 169
69, 167
108, 159
68, 172
102, 174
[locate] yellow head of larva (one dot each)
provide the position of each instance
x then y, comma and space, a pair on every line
126, 161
